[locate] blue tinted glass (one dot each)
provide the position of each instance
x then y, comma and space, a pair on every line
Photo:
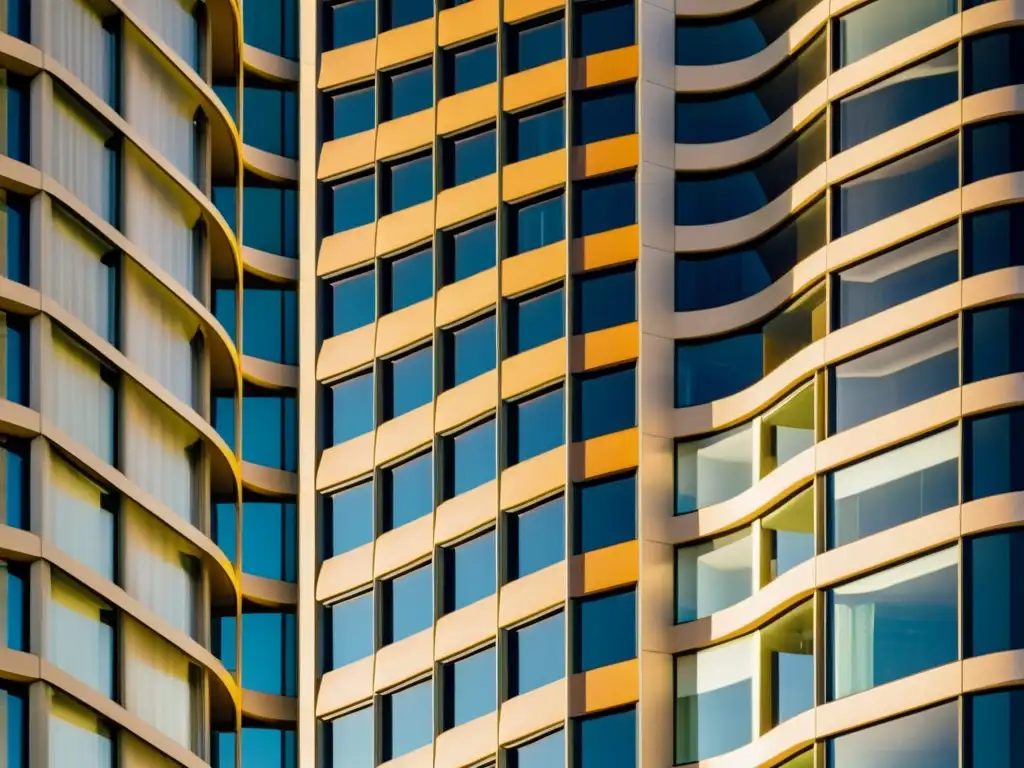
225, 310
605, 513
352, 21
268, 748
532, 45
470, 688
604, 630
409, 183
352, 744
18, 114
224, 419
993, 240
398, 13
994, 343
350, 519
876, 25
273, 26
16, 344
14, 710
548, 752
409, 91
270, 431
226, 202
222, 744
535, 320
270, 324
14, 468
603, 26
536, 538
897, 186
607, 740
993, 148
701, 42
604, 204
351, 630
993, 61
14, 212
470, 68
408, 280
353, 204
537, 133
472, 251
604, 113
352, 302
271, 214
270, 119
269, 650
18, 24
225, 637
471, 460
408, 491
537, 425
353, 112
409, 604
410, 382
605, 403
471, 158
228, 95
994, 582
470, 351
538, 224
711, 370
993, 464
225, 528
469, 572
408, 720
605, 299
992, 724
926, 739
352, 407
269, 545
16, 607
536, 654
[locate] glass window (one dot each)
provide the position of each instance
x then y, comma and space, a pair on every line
892, 624
535, 43
605, 513
14, 722
271, 116
224, 419
710, 118
470, 688
926, 739
536, 654
993, 148
224, 636
469, 572
892, 377
993, 341
897, 186
719, 40
993, 61
992, 463
898, 99
269, 647
470, 459
714, 575
993, 596
14, 218
468, 158
270, 324
406, 91
711, 198
535, 132
407, 717
993, 239
469, 251
991, 728
268, 747
352, 111
225, 310
350, 22
348, 517
606, 740
604, 299
351, 740
269, 543
604, 402
537, 223
408, 382
705, 281
469, 351
81, 634
274, 27
894, 277
352, 204
407, 280
605, 203
14, 469
408, 604
874, 26
16, 142
892, 488
471, 67
604, 113
407, 183
78, 736
603, 26
352, 299
714, 469
349, 630
536, 538
270, 429
789, 530
351, 408
14, 330
545, 752
535, 320
408, 491
16, 22
536, 425
604, 630
399, 13
271, 219
789, 646
14, 605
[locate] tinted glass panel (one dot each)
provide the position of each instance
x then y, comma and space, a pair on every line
537, 224
470, 459
714, 575
470, 68
273, 27
14, 714
271, 118
271, 220
470, 688
408, 382
407, 91
269, 544
351, 740
605, 513
604, 113
352, 300
605, 299
14, 214
606, 740
711, 370
718, 40
354, 111
993, 239
407, 718
604, 630
349, 515
398, 13
407, 183
408, 491
350, 630
407, 280
926, 739
994, 455
992, 732
536, 538
535, 320
268, 747
536, 133
602, 26
470, 158
352, 407
352, 204
270, 325
470, 251
604, 402
269, 650
534, 44
604, 204
352, 21
469, 572
408, 604
17, 143
270, 430
881, 23
993, 148
536, 425
15, 495
548, 752
994, 593
993, 61
994, 341
469, 351
536, 654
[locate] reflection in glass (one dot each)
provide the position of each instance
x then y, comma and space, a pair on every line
407, 717
469, 351
719, 40
604, 630
348, 518
470, 459
468, 158
789, 531
993, 342
468, 251
993, 148
994, 593
349, 630
545, 752
536, 654
408, 604
993, 60
535, 133
604, 113
470, 688
992, 454
603, 27
536, 223
926, 739
408, 490
604, 298
534, 320
714, 575
874, 26
607, 740
787, 430
789, 645
351, 739
605, 402
469, 572
714, 469
536, 538
408, 382
603, 204
535, 425
992, 734
534, 44
605, 512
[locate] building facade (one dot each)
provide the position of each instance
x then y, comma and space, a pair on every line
519, 383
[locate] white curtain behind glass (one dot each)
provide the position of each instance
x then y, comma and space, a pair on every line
81, 161
77, 737
81, 403
79, 643
78, 523
157, 683
79, 281
80, 43
173, 22
158, 569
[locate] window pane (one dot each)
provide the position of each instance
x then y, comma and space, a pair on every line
536, 654
714, 575
469, 572
604, 113
605, 298
993, 599
876, 25
408, 720
993, 239
604, 630
81, 634
993, 342
408, 91
469, 351
926, 739
536, 538
14, 721
349, 516
993, 148
271, 220
407, 280
270, 430
14, 609
351, 738
536, 425
535, 320
700, 42
470, 459
992, 455
352, 204
470, 158
352, 21
605, 513
269, 543
271, 115
546, 752
270, 325
407, 183
993, 60
408, 382
470, 688
14, 469
408, 604
992, 729
269, 649
352, 408
269, 747
789, 645
14, 217
790, 533
537, 224
408, 491
470, 68
603, 26
352, 302
399, 13
350, 630
274, 27
536, 133
605, 402
352, 112
534, 44
77, 736
714, 469
604, 204
470, 251
607, 740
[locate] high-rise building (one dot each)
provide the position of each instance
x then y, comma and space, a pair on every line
512, 383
